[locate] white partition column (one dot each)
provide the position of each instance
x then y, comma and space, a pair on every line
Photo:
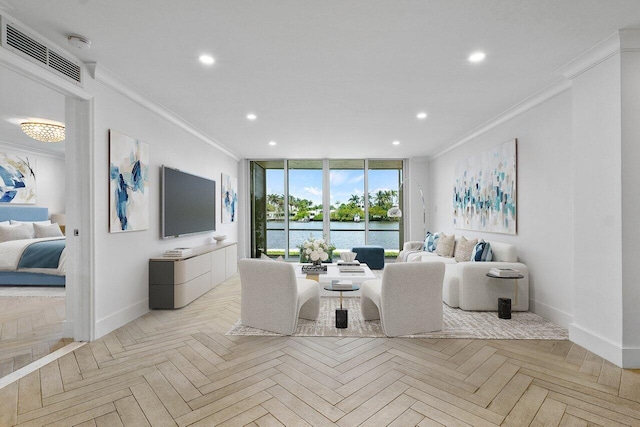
606, 130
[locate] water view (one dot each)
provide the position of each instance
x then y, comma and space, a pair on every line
344, 235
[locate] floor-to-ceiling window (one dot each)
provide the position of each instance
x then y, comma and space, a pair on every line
347, 210
384, 178
305, 217
344, 201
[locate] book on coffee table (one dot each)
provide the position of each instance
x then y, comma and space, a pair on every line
314, 269
341, 285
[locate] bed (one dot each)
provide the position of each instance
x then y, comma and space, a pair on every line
31, 262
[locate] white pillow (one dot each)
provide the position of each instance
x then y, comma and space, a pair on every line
15, 232
29, 224
51, 230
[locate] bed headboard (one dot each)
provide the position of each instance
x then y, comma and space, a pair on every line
23, 213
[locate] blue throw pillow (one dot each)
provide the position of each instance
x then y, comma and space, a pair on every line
426, 239
482, 252
431, 242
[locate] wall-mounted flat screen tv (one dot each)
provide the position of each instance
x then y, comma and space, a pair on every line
188, 203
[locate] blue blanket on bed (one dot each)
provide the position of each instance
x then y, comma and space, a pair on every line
42, 254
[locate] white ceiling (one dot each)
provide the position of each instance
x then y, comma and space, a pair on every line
332, 78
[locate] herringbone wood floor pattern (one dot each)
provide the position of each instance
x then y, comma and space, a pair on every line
171, 368
30, 328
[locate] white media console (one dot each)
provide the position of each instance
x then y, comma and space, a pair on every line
175, 282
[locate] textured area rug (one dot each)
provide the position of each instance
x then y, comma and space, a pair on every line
457, 324
32, 291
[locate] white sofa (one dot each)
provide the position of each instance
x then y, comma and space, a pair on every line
466, 284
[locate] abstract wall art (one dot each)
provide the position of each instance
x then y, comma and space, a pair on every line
17, 179
229, 192
484, 192
128, 183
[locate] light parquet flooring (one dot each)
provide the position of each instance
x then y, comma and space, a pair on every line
178, 368
30, 328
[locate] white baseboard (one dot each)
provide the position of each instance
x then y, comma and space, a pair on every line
550, 313
68, 329
121, 318
596, 344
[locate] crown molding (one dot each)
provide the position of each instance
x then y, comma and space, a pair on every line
106, 77
592, 57
520, 108
32, 150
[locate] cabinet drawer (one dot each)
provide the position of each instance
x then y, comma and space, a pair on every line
186, 292
191, 268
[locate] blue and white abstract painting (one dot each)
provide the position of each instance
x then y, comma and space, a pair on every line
484, 192
17, 179
128, 183
229, 191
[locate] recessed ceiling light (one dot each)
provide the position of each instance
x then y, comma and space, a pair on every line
207, 59
421, 115
477, 57
272, 143
396, 142
251, 116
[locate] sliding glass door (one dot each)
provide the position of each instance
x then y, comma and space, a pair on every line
384, 181
344, 201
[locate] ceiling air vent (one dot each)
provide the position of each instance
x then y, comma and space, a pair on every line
29, 46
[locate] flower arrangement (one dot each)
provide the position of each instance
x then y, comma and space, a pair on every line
315, 251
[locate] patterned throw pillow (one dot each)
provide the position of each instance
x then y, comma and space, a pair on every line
431, 242
464, 249
446, 245
482, 252
15, 232
29, 225
51, 230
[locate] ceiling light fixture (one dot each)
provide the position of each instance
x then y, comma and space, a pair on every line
251, 116
396, 142
476, 57
272, 143
45, 132
421, 115
207, 59
79, 41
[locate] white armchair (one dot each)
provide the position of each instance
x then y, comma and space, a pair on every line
408, 299
272, 297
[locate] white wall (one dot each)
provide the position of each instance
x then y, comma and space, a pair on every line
597, 202
606, 132
121, 259
630, 75
50, 176
544, 237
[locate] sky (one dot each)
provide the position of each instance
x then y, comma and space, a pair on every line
307, 184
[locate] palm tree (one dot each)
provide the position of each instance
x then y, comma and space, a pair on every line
274, 200
354, 200
382, 198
